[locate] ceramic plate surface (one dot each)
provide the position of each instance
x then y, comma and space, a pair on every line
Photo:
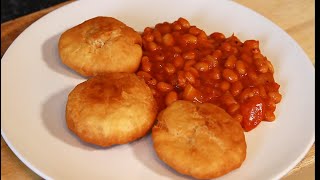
35, 86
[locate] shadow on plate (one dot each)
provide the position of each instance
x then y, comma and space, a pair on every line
50, 54
53, 116
144, 152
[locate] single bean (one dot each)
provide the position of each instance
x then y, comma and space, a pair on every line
164, 87
171, 97
229, 75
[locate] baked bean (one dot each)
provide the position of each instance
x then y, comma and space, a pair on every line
246, 93
258, 58
144, 75
148, 37
194, 30
270, 66
176, 26
230, 62
269, 116
236, 88
246, 58
217, 54
212, 41
202, 66
157, 36
190, 93
270, 104
181, 79
252, 75
234, 50
258, 61
238, 117
159, 57
178, 61
168, 40
217, 36
224, 85
215, 74
154, 92
189, 55
184, 23
146, 66
229, 75
213, 62
233, 108
255, 50
188, 64
145, 59
202, 36
216, 92
204, 43
169, 68
159, 77
193, 71
263, 69
177, 49
240, 67
275, 96
262, 91
190, 77
147, 30
228, 99
152, 46
264, 78
255, 91
164, 28
164, 87
152, 82
252, 44
226, 46
171, 97
189, 39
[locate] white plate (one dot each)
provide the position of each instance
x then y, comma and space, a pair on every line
35, 85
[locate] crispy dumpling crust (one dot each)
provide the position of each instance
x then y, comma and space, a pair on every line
200, 140
116, 108
101, 45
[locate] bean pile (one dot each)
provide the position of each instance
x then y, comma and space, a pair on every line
180, 61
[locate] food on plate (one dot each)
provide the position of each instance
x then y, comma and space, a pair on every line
181, 62
111, 109
101, 45
200, 140
205, 91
